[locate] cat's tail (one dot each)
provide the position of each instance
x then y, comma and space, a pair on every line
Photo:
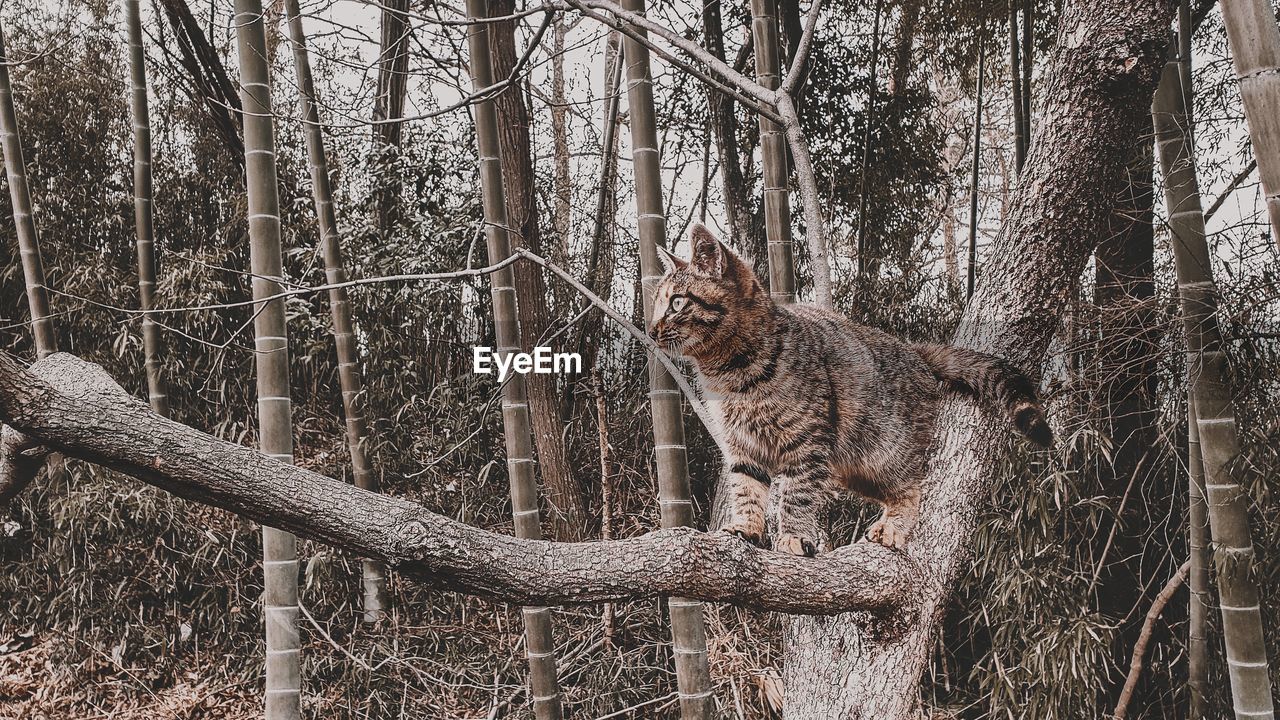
992, 380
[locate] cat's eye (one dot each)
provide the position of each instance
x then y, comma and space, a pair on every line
678, 302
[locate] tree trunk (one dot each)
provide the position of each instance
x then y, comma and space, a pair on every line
1127, 357
560, 138
209, 77
388, 108
374, 599
850, 666
689, 635
271, 359
1215, 418
143, 198
1254, 40
539, 643
724, 124
866, 256
904, 46
23, 218
564, 495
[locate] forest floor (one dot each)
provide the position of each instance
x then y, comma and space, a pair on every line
35, 687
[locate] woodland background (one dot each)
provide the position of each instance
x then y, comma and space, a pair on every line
126, 602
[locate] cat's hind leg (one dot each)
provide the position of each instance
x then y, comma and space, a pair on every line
748, 490
901, 514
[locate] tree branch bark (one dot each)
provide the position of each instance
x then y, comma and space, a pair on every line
75, 407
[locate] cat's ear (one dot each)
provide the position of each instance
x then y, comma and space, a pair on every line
708, 255
670, 261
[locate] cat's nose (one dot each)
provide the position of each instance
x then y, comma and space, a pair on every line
654, 331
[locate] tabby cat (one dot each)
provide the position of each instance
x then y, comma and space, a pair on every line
812, 404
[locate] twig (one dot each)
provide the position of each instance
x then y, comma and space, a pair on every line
381, 279
1144, 638
1231, 187
815, 231
745, 91
699, 407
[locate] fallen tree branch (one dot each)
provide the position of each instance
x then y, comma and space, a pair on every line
1144, 638
76, 408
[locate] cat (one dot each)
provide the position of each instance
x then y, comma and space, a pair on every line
812, 404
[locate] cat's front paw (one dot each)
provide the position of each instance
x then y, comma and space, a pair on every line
888, 533
796, 545
752, 532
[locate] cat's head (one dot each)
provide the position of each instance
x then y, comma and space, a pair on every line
707, 301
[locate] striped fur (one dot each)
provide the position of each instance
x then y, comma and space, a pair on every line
814, 405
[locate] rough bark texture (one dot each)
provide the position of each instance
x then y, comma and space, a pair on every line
20, 460
271, 359
563, 493
688, 631
375, 599
1254, 39
1098, 91
1215, 417
539, 642
73, 406
143, 198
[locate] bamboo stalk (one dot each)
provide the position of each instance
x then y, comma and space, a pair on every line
689, 637
1215, 418
375, 600
46, 340
143, 198
1015, 82
271, 358
1198, 550
516, 424
1197, 509
977, 157
1028, 55
1254, 40
606, 489
773, 153
23, 219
